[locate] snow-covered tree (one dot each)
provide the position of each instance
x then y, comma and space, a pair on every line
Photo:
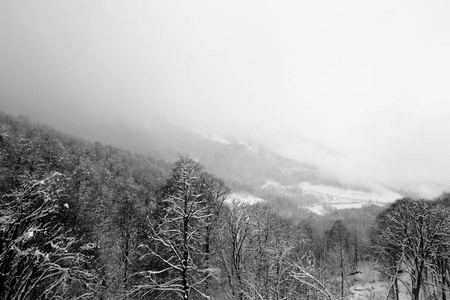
411, 235
338, 240
37, 260
177, 240
234, 234
306, 272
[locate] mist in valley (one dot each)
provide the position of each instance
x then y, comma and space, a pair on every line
358, 90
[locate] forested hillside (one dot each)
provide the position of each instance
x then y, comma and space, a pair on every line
244, 167
69, 211
80, 220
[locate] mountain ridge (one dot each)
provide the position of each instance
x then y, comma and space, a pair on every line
246, 167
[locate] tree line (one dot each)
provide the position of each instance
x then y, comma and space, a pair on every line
80, 220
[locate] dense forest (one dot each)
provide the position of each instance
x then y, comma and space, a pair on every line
81, 220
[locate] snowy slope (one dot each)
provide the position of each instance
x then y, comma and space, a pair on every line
209, 136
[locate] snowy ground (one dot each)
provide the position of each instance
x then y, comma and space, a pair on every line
333, 197
334, 194
368, 285
244, 198
322, 209
317, 209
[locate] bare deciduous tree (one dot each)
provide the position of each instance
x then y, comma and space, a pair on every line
306, 272
411, 235
178, 237
37, 260
234, 234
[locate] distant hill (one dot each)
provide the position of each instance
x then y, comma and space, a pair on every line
245, 167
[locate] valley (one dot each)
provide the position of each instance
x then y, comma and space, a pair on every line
332, 197
322, 198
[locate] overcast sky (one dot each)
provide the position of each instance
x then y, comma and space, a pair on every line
368, 79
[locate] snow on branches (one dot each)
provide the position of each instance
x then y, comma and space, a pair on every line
36, 257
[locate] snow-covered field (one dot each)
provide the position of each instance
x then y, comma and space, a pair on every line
332, 194
317, 209
322, 209
244, 198
333, 197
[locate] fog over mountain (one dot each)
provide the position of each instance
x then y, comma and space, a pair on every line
358, 89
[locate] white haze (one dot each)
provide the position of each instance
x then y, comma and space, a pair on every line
360, 88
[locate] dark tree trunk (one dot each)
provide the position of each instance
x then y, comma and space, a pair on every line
207, 256
125, 260
396, 289
417, 284
185, 283
443, 266
356, 251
